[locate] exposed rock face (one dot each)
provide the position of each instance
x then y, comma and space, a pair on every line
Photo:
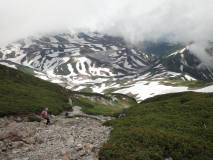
76, 138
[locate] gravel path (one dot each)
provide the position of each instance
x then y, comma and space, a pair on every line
77, 138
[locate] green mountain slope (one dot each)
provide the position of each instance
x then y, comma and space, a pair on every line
177, 125
21, 93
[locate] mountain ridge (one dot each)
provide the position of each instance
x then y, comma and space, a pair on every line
100, 63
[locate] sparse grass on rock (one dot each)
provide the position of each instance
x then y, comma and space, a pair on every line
97, 104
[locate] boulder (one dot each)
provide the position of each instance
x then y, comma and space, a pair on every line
79, 147
18, 119
88, 146
15, 151
70, 141
63, 152
30, 140
32, 132
39, 139
66, 158
3, 146
24, 158
3, 122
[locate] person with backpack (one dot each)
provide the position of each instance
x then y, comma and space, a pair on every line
44, 115
122, 115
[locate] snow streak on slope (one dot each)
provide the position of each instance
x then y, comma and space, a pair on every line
92, 61
77, 58
186, 62
9, 65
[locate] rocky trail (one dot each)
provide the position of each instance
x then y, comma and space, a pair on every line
76, 138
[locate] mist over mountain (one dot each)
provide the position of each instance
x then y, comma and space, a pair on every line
138, 20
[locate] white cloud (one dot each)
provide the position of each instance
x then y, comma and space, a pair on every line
135, 20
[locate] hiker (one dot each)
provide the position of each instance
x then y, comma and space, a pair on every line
122, 115
44, 114
66, 114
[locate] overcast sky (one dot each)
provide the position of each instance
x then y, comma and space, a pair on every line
135, 20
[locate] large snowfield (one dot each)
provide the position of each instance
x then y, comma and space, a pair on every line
146, 89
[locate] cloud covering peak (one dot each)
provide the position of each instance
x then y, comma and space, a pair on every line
135, 20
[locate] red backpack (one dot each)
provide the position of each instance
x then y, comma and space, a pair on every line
43, 114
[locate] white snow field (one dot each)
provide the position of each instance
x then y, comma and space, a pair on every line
146, 89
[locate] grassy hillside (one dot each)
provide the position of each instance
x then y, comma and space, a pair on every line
177, 125
21, 93
98, 104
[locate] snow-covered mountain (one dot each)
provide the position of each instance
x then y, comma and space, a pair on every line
183, 61
90, 54
77, 56
96, 62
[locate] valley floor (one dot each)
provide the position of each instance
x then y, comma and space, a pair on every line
76, 138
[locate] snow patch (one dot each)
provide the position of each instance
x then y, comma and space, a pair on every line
8, 65
189, 78
146, 89
206, 89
